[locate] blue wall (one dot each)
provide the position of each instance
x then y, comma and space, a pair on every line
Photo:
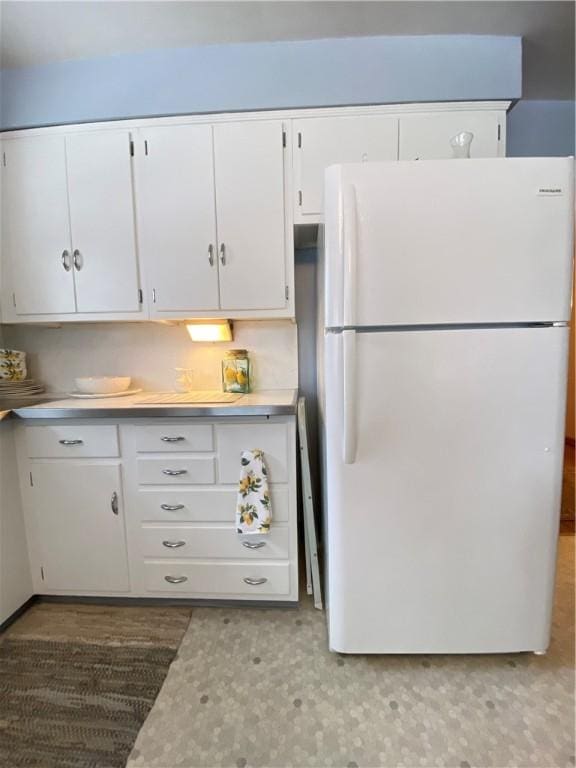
360, 70
537, 128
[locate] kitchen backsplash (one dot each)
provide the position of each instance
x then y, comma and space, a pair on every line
149, 352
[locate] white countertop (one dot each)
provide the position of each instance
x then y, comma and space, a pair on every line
264, 403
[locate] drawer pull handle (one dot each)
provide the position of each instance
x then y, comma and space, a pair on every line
167, 439
171, 507
174, 544
174, 472
175, 579
114, 503
71, 442
253, 544
255, 582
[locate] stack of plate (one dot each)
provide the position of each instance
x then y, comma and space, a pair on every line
24, 388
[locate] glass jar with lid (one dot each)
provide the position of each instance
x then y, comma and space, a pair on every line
236, 371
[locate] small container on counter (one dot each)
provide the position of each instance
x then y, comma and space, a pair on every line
236, 371
184, 381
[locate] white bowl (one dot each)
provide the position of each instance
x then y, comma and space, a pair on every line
102, 385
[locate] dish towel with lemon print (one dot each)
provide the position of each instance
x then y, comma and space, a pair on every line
253, 510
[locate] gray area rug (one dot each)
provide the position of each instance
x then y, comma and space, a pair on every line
77, 682
260, 688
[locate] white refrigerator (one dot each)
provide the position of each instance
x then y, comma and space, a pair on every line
443, 338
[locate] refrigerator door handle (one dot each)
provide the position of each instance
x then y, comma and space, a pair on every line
349, 396
349, 244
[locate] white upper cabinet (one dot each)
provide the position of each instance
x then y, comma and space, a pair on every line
102, 221
68, 226
427, 136
176, 218
198, 210
36, 241
323, 141
212, 219
249, 164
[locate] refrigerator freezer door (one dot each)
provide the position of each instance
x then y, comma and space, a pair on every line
449, 241
442, 527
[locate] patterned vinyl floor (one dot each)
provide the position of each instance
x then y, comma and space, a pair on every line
260, 688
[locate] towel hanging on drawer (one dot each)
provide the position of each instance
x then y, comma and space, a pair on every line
253, 510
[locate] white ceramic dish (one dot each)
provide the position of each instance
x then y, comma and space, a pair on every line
102, 385
86, 396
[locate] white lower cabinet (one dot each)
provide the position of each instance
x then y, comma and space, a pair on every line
79, 526
117, 509
15, 576
181, 527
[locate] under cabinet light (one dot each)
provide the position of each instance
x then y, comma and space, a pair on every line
210, 330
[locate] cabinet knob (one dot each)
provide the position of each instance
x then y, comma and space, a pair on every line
253, 544
78, 260
174, 544
171, 507
114, 503
222, 254
175, 579
66, 260
255, 582
211, 255
167, 439
174, 472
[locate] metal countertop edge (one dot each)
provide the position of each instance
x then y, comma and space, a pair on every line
137, 412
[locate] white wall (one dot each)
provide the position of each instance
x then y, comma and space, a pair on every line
149, 352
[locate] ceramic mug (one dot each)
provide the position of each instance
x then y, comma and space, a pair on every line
12, 365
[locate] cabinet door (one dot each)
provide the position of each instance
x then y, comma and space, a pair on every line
249, 165
323, 141
102, 220
273, 439
35, 225
427, 136
177, 224
15, 580
81, 538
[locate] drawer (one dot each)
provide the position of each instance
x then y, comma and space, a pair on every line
176, 471
217, 505
217, 579
160, 438
60, 441
223, 543
232, 439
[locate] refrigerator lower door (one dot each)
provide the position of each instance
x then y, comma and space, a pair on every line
443, 488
